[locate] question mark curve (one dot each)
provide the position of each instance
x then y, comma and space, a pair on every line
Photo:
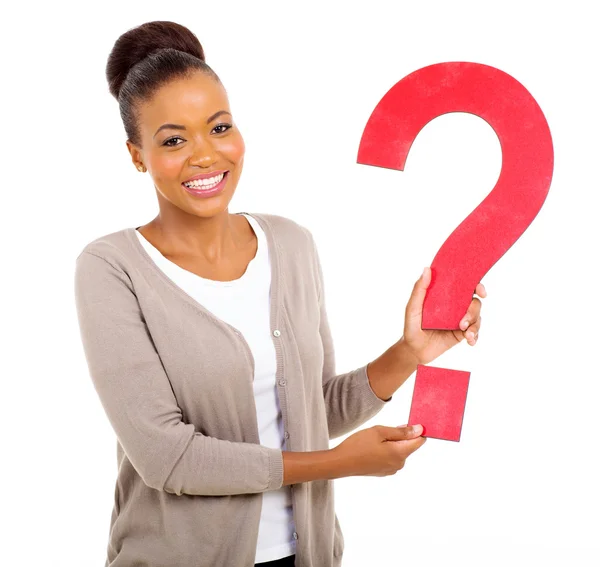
485, 235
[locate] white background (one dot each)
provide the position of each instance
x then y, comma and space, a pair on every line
521, 488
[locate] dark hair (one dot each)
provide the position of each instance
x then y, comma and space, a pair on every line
145, 58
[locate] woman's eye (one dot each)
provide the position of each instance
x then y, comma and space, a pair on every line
166, 142
219, 128
224, 128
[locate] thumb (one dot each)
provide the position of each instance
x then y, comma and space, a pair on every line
401, 433
414, 308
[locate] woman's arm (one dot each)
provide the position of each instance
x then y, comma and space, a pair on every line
313, 465
135, 392
354, 397
137, 397
390, 370
376, 451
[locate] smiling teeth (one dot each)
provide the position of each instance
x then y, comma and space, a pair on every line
205, 183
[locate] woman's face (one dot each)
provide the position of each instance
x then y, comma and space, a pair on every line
187, 129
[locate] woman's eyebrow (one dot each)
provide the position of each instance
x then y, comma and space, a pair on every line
181, 127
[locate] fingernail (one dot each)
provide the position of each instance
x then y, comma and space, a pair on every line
464, 324
418, 429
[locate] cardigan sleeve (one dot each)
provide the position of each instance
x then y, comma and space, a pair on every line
349, 398
135, 392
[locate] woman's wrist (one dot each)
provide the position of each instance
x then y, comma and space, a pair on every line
307, 466
390, 370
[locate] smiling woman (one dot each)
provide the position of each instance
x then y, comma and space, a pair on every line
208, 343
158, 74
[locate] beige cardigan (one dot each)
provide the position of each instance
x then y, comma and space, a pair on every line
176, 385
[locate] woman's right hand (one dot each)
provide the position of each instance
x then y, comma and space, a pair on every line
379, 450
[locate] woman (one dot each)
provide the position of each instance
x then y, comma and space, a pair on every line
208, 343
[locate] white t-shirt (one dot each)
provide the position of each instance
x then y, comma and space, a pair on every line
245, 304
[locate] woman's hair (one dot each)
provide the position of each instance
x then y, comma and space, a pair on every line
145, 58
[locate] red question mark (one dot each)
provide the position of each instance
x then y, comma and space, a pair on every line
483, 237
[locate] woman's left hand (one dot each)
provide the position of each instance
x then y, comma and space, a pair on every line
427, 345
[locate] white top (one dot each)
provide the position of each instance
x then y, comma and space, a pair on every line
245, 304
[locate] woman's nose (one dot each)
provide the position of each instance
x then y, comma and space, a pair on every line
204, 155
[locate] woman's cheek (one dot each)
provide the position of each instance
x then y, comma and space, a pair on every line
234, 148
168, 169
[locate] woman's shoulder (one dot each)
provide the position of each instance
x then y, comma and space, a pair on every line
113, 247
285, 229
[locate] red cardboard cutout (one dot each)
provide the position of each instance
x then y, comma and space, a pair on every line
491, 228
527, 164
438, 402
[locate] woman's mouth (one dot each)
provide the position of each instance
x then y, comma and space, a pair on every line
206, 187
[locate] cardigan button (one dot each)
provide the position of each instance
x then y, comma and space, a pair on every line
276, 332
287, 435
295, 535
282, 382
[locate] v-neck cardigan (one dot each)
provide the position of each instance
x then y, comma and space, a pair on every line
175, 382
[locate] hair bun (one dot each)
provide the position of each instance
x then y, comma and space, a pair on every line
137, 43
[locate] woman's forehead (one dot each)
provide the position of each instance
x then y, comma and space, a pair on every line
192, 98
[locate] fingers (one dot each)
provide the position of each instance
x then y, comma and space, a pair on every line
471, 322
472, 314
480, 290
409, 446
472, 333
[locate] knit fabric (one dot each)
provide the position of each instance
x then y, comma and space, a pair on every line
175, 382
